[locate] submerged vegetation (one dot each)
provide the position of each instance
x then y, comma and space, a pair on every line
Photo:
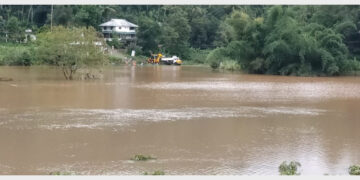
289, 168
58, 173
155, 173
230, 65
282, 40
140, 157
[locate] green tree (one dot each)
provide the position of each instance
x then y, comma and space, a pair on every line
71, 49
248, 37
89, 15
203, 25
2, 29
63, 15
40, 15
243, 37
176, 33
15, 31
216, 56
224, 35
284, 43
148, 35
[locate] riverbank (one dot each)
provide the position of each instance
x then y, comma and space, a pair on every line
25, 55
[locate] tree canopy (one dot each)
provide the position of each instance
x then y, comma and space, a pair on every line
71, 49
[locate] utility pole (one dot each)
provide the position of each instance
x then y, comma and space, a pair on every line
52, 10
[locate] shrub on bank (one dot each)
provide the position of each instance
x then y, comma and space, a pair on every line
197, 56
230, 65
215, 57
115, 43
115, 60
19, 55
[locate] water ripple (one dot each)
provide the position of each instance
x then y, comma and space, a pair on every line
266, 89
105, 118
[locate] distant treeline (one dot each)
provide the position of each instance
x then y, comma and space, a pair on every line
285, 40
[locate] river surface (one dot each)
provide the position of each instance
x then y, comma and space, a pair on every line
195, 121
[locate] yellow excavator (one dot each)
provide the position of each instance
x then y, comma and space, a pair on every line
158, 58
154, 58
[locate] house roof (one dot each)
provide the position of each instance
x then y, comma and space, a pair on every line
119, 22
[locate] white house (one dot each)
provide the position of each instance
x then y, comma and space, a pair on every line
125, 30
29, 35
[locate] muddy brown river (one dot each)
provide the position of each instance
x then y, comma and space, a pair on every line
193, 120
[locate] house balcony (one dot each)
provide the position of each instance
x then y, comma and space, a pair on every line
120, 36
107, 31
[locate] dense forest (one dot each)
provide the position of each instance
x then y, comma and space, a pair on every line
283, 40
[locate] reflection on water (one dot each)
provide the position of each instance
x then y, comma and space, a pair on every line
196, 121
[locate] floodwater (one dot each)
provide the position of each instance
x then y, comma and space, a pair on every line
193, 120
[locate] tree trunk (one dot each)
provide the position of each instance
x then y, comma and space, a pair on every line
22, 13
71, 75
68, 72
51, 20
65, 74
29, 14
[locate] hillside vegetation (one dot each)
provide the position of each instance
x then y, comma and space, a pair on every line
282, 40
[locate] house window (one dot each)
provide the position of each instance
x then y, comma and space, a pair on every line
132, 28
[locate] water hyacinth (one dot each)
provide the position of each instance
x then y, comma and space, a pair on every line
140, 157
354, 170
289, 169
155, 173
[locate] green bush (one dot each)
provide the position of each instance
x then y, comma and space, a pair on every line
140, 59
197, 56
25, 58
289, 169
230, 65
257, 66
115, 60
351, 66
354, 170
215, 57
138, 49
116, 43
20, 55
